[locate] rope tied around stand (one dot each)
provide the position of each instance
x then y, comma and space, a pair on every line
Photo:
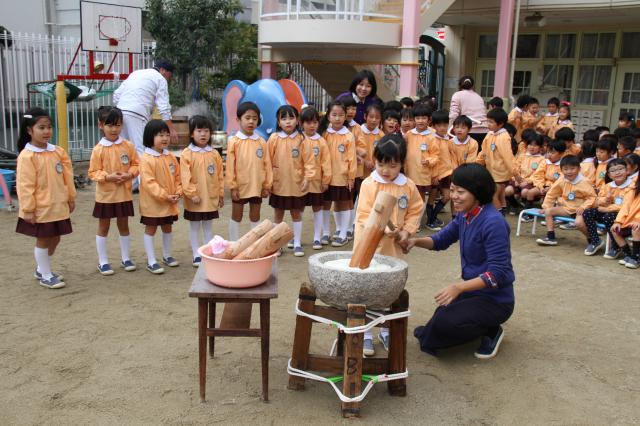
376, 319
370, 379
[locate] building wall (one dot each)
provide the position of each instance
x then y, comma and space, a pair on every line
596, 86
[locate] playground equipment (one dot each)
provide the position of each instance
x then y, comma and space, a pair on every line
268, 94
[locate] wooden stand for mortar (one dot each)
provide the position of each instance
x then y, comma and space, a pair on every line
349, 360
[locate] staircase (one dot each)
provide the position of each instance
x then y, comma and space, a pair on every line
334, 40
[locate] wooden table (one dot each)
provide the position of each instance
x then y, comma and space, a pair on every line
208, 295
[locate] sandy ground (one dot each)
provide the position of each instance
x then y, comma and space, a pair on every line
123, 349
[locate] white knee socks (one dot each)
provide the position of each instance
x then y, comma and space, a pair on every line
254, 224
42, 262
297, 234
125, 243
101, 246
326, 223
336, 219
148, 247
343, 223
166, 244
234, 230
208, 232
194, 230
317, 225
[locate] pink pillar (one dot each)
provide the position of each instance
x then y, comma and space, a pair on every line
269, 70
503, 57
410, 36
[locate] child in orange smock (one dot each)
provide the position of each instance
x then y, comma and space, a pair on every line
202, 177
570, 195
342, 148
46, 192
553, 104
628, 223
249, 175
160, 191
564, 120
390, 153
441, 179
605, 152
293, 169
547, 173
113, 166
356, 129
310, 120
497, 156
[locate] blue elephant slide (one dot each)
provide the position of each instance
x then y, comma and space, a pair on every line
268, 94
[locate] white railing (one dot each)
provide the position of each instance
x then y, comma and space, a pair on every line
29, 58
312, 89
346, 10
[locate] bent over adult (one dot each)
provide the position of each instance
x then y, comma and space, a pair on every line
478, 305
467, 102
137, 96
363, 90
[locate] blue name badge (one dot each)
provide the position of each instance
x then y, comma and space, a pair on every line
571, 196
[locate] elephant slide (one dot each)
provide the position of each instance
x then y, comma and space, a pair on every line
268, 94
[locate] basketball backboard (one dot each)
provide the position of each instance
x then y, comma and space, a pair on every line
110, 27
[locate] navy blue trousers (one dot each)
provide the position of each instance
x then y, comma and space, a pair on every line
464, 320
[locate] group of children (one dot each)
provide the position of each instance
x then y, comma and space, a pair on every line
330, 162
594, 182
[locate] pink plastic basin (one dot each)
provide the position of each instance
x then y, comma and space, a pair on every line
236, 273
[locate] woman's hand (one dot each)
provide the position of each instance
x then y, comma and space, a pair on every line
447, 295
406, 244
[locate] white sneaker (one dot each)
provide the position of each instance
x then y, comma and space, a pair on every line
367, 347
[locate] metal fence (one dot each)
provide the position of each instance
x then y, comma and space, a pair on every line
312, 89
32, 58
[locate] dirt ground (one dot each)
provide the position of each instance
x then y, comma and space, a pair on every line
123, 349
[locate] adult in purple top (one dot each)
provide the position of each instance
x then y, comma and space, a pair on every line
467, 102
363, 90
476, 306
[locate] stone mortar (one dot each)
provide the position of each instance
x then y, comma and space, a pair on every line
376, 290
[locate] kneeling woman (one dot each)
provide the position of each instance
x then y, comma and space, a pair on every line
483, 300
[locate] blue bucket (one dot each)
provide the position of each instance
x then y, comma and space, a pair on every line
10, 178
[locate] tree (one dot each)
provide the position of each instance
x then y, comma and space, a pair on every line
203, 35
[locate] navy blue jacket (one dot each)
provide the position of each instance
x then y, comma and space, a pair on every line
484, 247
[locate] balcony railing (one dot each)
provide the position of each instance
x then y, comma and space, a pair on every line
346, 10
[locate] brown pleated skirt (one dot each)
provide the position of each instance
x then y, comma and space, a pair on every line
44, 230
158, 221
198, 216
286, 203
111, 210
251, 200
314, 199
338, 193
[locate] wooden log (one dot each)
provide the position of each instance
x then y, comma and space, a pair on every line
373, 230
246, 240
271, 242
352, 379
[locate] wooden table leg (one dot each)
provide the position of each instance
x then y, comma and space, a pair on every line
302, 336
212, 324
264, 346
202, 344
352, 384
397, 360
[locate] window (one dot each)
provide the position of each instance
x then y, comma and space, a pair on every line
488, 46
521, 83
597, 45
560, 46
631, 88
488, 78
593, 84
630, 45
559, 76
527, 46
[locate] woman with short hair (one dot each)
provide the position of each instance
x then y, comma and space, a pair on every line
363, 89
476, 306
